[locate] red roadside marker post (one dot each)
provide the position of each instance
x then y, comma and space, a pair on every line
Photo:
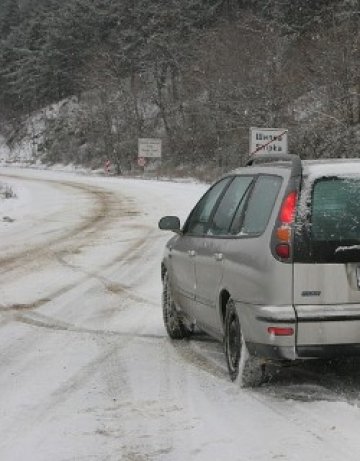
107, 165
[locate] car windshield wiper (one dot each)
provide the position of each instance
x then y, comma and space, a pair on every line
347, 248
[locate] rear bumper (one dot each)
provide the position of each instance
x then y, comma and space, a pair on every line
324, 330
329, 351
271, 352
255, 321
319, 331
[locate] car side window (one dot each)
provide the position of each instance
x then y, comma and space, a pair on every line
260, 205
198, 220
230, 202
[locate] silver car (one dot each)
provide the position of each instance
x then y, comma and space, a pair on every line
268, 262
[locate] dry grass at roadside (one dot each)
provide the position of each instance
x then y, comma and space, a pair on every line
6, 191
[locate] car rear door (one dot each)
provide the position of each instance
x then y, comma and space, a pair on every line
183, 252
212, 251
327, 267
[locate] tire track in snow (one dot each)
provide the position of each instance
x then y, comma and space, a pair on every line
141, 247
108, 208
50, 323
129, 255
103, 203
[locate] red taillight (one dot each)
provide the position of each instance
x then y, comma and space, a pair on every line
283, 250
283, 232
288, 208
279, 331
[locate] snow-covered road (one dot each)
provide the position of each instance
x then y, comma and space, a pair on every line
87, 371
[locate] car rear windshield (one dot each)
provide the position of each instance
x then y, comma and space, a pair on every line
332, 230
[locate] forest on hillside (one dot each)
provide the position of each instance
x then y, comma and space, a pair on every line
197, 73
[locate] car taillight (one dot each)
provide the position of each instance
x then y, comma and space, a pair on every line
281, 331
283, 232
287, 212
283, 250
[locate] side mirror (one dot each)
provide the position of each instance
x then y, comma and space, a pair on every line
171, 223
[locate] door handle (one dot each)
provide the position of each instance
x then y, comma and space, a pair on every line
218, 256
192, 253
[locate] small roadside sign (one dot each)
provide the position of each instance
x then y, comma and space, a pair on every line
268, 140
149, 147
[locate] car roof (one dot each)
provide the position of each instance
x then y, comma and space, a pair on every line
313, 168
260, 167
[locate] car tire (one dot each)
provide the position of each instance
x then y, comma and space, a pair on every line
173, 322
244, 369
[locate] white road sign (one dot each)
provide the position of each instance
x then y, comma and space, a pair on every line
149, 148
268, 140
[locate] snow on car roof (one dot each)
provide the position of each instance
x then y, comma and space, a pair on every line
331, 167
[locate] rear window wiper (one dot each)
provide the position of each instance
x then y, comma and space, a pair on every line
347, 248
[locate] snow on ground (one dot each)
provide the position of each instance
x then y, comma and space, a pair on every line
87, 371
17, 206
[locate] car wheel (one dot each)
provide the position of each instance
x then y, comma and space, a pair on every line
174, 324
246, 370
